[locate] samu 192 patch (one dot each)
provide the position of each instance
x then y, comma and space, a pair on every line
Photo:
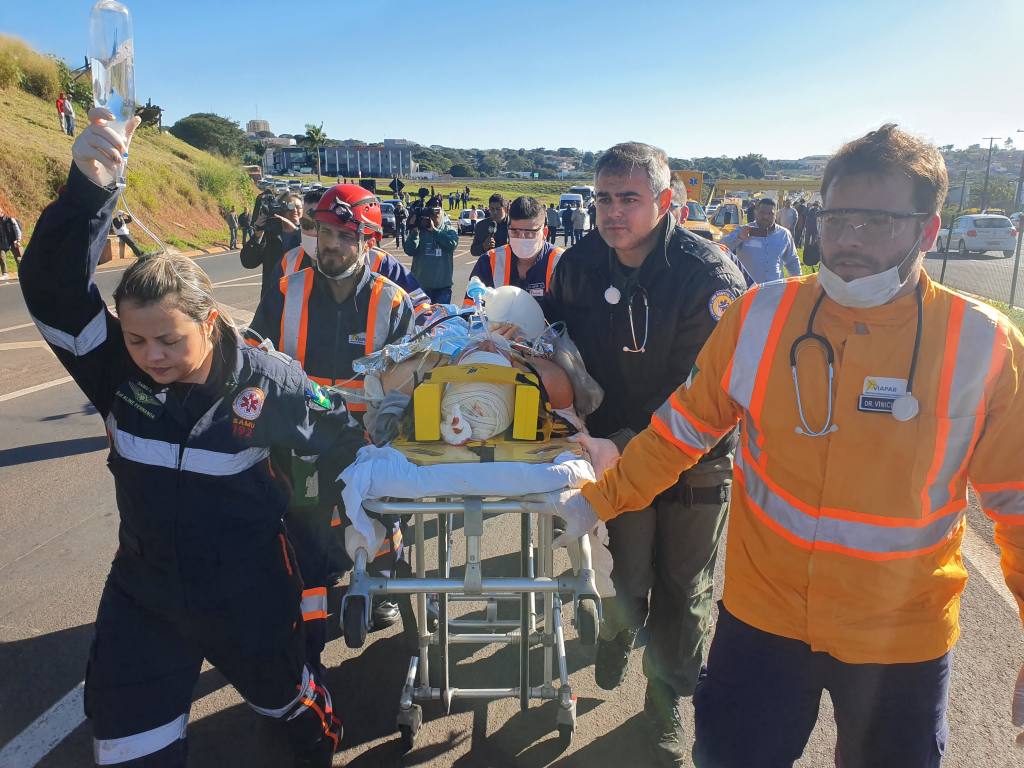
248, 404
719, 302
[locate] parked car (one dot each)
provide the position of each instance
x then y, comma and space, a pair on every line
387, 215
979, 233
466, 223
729, 215
697, 222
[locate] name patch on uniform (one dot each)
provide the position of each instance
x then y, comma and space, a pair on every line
357, 338
141, 398
719, 302
248, 404
880, 393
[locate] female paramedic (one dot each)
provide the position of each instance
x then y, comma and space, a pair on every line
204, 569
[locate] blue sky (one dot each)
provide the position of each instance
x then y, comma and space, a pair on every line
786, 79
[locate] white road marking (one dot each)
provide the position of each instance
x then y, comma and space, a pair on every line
238, 285
37, 388
4, 347
16, 327
234, 280
49, 729
987, 564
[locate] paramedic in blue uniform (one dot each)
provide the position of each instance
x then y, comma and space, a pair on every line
194, 416
528, 260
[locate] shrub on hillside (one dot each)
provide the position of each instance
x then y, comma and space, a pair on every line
10, 73
31, 71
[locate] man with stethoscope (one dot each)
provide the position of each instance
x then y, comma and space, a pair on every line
868, 397
639, 297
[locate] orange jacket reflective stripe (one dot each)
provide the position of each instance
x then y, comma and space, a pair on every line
296, 288
291, 260
849, 542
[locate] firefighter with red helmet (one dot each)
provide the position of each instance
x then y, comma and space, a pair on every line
325, 317
380, 261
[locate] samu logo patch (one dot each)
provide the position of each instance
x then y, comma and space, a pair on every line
248, 404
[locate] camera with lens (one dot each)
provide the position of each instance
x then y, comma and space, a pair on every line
270, 207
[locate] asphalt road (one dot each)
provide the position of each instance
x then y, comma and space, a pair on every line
58, 534
983, 274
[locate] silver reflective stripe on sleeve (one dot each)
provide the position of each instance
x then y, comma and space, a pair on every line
126, 748
90, 337
752, 341
220, 464
292, 316
501, 256
142, 450
305, 692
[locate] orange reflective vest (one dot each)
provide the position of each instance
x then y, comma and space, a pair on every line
849, 542
384, 299
291, 260
503, 260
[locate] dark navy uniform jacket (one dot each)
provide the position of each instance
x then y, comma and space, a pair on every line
199, 501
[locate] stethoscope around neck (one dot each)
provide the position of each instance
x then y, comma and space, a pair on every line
904, 408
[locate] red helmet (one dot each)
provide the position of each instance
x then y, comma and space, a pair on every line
351, 207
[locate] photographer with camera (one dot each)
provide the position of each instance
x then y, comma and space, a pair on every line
275, 222
491, 233
431, 244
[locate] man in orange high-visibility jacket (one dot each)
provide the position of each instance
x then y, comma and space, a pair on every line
528, 261
325, 317
868, 398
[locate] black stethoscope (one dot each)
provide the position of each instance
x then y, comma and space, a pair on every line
904, 408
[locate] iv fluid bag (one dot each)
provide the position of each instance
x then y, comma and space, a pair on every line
112, 57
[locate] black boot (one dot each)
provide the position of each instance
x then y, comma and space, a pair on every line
661, 708
385, 614
612, 657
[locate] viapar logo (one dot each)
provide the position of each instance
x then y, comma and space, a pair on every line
882, 389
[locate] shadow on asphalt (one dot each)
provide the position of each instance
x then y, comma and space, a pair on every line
27, 454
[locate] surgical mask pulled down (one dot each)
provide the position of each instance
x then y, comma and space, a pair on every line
310, 245
871, 290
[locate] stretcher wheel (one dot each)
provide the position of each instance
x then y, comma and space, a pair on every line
407, 737
587, 622
353, 622
565, 732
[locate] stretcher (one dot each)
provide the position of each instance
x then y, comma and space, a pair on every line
429, 675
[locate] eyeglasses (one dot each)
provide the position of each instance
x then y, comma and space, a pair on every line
870, 226
526, 234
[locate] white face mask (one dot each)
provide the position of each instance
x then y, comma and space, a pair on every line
309, 245
526, 247
871, 290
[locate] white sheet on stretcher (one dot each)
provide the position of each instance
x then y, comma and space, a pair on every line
385, 472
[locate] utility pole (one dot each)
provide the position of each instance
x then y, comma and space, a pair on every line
1017, 203
988, 165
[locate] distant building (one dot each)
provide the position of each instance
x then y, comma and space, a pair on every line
396, 143
358, 160
254, 126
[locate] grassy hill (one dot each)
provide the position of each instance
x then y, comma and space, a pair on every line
174, 188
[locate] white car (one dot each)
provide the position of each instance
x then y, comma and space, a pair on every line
467, 225
979, 233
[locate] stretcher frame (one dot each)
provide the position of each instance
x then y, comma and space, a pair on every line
536, 577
